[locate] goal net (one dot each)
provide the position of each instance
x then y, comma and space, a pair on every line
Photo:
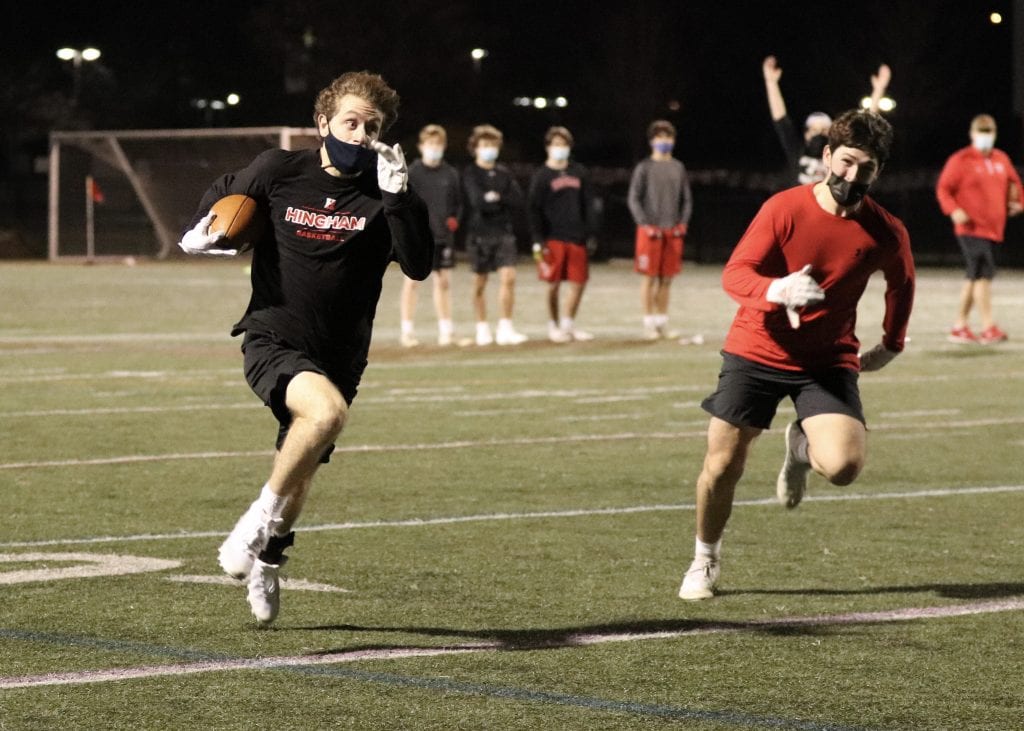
130, 192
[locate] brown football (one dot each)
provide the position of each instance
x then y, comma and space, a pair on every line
239, 217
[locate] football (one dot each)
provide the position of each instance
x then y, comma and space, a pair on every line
239, 217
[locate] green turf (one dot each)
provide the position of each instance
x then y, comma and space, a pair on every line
126, 428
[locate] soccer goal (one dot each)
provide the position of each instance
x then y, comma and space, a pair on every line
129, 193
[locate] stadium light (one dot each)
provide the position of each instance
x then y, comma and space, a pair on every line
478, 54
76, 57
995, 18
885, 104
540, 102
233, 99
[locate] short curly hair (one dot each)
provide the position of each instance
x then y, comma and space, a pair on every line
484, 132
364, 84
865, 130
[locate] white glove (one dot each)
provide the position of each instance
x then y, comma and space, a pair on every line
795, 290
200, 240
876, 358
392, 173
492, 196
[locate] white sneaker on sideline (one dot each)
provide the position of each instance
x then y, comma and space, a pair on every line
510, 337
664, 332
700, 579
581, 335
408, 340
265, 591
444, 339
792, 481
651, 333
245, 542
558, 335
484, 337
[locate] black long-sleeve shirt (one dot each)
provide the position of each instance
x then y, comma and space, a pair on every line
439, 188
560, 204
490, 218
316, 272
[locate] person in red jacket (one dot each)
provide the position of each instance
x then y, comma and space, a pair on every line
978, 188
798, 273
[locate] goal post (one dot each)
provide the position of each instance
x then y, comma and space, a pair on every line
121, 193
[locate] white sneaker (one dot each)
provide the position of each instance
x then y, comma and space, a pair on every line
484, 337
664, 332
265, 591
245, 542
581, 335
700, 579
651, 333
409, 340
557, 335
792, 481
444, 339
510, 337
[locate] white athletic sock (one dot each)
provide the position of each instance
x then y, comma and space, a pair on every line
707, 550
505, 325
660, 320
445, 327
649, 322
407, 327
552, 325
271, 504
483, 327
568, 324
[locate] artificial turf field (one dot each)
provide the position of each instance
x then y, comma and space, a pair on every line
498, 541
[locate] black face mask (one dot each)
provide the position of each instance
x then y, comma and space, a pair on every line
846, 193
349, 158
816, 145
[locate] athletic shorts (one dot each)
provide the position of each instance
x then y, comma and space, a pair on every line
563, 261
444, 254
658, 256
979, 256
270, 365
491, 252
749, 393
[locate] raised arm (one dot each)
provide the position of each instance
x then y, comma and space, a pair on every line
879, 83
772, 74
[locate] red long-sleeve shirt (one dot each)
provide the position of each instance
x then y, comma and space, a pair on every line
792, 230
980, 184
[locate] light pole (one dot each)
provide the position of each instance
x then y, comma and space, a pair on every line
76, 57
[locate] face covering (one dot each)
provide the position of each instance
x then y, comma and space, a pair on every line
347, 157
846, 193
487, 154
558, 152
663, 147
983, 141
816, 145
432, 154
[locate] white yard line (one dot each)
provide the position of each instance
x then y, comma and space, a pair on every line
535, 515
570, 640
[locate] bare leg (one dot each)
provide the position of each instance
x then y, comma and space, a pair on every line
442, 294
572, 300
966, 302
724, 462
553, 301
408, 302
982, 292
661, 295
647, 295
836, 446
507, 292
479, 302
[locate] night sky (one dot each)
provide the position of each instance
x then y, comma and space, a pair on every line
620, 65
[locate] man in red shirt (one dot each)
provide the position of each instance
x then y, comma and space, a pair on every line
798, 273
977, 189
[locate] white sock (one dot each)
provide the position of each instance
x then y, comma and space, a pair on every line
270, 503
649, 322
445, 327
568, 324
707, 550
483, 328
505, 325
552, 325
660, 320
407, 328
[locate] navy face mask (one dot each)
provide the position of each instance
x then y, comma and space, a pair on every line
348, 158
846, 193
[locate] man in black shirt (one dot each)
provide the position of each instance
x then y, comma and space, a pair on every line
316, 280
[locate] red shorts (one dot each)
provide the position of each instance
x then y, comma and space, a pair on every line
658, 256
563, 261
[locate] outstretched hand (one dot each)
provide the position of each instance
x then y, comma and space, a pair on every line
200, 240
392, 173
880, 81
771, 69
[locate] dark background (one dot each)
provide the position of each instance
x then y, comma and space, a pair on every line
620, 65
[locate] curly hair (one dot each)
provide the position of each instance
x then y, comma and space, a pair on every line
365, 85
865, 130
484, 132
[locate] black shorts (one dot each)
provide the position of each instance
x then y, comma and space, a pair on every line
444, 254
491, 252
270, 365
749, 393
979, 257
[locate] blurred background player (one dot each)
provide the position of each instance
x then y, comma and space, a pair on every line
978, 188
494, 201
560, 202
340, 214
660, 202
437, 183
798, 274
803, 155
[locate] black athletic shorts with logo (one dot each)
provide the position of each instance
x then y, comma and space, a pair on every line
270, 365
749, 393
